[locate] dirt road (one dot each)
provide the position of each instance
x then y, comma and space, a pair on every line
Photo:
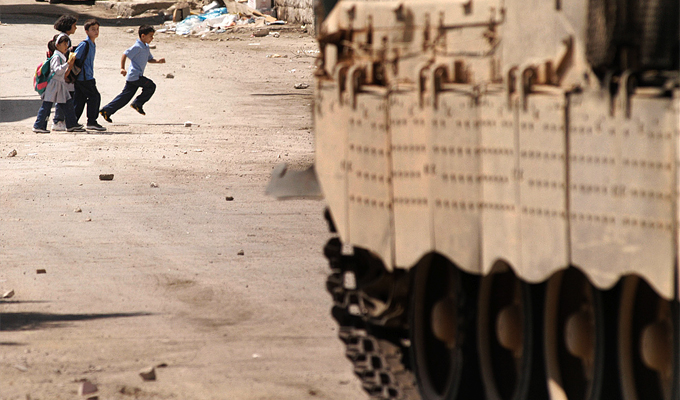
138, 275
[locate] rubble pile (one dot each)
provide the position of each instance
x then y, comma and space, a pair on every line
215, 18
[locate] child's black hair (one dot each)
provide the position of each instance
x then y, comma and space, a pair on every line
65, 22
145, 30
52, 44
90, 23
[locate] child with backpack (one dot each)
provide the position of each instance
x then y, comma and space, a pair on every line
57, 91
86, 88
65, 24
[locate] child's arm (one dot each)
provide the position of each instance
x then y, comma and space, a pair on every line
159, 61
122, 65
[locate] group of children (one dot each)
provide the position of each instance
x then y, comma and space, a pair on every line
73, 91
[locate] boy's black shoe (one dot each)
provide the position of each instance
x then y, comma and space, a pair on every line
95, 127
137, 108
106, 116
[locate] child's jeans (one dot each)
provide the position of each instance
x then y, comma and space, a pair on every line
148, 87
66, 110
59, 115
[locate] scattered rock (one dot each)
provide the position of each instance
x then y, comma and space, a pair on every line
8, 294
275, 34
154, 185
88, 219
86, 388
129, 391
77, 210
148, 374
230, 198
130, 30
188, 124
21, 367
256, 355
12, 153
105, 177
162, 365
170, 76
240, 253
261, 32
344, 382
152, 46
40, 271
312, 392
301, 86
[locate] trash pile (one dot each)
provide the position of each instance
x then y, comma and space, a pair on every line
217, 20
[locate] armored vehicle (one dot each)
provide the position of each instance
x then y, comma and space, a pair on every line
502, 184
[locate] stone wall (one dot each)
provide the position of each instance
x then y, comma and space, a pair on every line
295, 11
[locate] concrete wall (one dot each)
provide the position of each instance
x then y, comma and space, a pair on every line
295, 11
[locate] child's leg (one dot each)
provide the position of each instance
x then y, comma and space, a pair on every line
58, 115
88, 95
94, 99
79, 99
148, 88
69, 113
122, 99
43, 115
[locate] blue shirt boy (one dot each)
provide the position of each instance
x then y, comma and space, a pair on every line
88, 63
139, 54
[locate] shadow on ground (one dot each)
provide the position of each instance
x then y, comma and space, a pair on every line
12, 110
24, 321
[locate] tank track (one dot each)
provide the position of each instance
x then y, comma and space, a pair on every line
372, 322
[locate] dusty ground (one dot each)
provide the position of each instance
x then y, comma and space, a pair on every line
148, 275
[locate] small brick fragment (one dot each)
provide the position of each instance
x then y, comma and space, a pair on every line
105, 177
41, 271
86, 388
148, 374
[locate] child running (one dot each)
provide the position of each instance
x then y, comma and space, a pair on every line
139, 54
86, 88
57, 91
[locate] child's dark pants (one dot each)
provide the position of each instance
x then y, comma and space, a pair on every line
148, 87
66, 110
87, 93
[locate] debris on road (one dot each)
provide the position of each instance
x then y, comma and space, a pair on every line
87, 388
261, 33
40, 271
162, 365
21, 367
77, 210
12, 153
241, 253
88, 219
154, 185
188, 124
301, 86
105, 177
229, 198
148, 374
170, 76
8, 295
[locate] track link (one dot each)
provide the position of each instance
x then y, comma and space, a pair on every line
377, 352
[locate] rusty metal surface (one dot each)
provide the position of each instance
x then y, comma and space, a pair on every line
466, 129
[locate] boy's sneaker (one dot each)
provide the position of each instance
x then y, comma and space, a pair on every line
95, 127
40, 130
59, 126
106, 116
137, 108
77, 128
